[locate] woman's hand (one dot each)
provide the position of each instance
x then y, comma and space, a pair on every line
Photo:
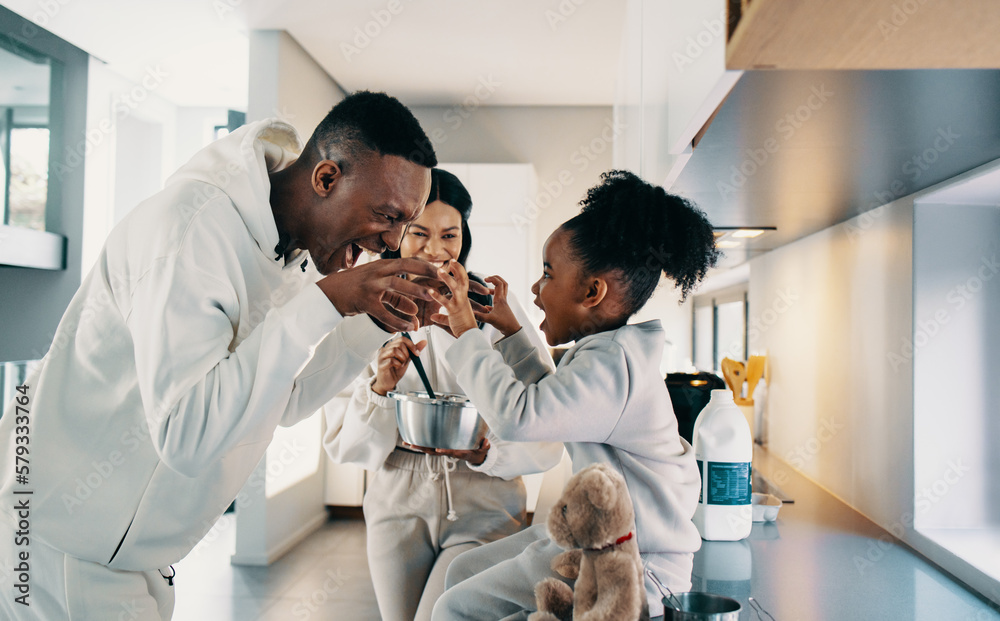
393, 359
500, 315
460, 318
475, 457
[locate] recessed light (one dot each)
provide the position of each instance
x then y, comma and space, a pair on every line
747, 233
727, 244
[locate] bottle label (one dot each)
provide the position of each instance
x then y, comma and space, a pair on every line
727, 483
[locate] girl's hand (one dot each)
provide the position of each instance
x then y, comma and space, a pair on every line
460, 318
500, 315
475, 457
426, 309
393, 359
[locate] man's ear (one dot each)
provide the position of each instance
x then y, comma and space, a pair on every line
325, 175
597, 289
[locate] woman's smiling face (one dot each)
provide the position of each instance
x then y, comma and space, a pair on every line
560, 291
436, 236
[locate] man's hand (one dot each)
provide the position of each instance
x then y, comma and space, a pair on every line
460, 318
500, 315
393, 359
376, 289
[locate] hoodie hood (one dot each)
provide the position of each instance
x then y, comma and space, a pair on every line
238, 166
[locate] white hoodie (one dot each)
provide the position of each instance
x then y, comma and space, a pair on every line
608, 402
186, 345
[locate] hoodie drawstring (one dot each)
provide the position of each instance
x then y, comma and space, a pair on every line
450, 464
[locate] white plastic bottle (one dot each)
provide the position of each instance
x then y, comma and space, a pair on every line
723, 447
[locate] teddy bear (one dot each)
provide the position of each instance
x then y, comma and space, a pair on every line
594, 522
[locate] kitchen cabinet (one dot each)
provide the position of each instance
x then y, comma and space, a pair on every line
866, 34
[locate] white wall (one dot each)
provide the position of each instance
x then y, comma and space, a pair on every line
830, 308
286, 82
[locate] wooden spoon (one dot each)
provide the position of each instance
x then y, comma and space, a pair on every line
755, 371
735, 373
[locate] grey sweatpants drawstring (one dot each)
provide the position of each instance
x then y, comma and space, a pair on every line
450, 464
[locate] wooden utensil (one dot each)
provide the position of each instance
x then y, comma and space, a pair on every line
755, 371
735, 373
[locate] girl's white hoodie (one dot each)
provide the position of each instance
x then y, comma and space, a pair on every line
186, 345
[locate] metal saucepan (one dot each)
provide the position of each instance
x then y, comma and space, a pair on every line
447, 422
695, 606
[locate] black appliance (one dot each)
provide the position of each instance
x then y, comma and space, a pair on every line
689, 394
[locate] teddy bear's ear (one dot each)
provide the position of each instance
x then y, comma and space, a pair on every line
601, 491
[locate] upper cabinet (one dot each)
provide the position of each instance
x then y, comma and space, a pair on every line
864, 34
672, 77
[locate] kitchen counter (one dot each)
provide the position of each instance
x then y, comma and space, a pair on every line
822, 559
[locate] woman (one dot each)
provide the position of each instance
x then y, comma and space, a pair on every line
422, 506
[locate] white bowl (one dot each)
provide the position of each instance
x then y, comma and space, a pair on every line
765, 507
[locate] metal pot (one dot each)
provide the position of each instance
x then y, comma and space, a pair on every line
448, 422
695, 606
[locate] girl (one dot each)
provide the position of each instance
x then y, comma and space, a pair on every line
607, 400
424, 506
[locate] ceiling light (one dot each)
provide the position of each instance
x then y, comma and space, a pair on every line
747, 233
727, 244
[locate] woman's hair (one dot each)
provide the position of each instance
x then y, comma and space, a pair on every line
639, 230
446, 187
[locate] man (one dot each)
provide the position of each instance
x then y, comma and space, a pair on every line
203, 325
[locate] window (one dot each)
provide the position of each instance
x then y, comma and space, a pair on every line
719, 328
24, 135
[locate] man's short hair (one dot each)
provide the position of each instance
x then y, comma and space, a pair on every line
367, 121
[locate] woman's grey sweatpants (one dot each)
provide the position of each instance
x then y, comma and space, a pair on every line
410, 540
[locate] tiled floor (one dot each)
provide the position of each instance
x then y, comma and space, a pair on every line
324, 577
